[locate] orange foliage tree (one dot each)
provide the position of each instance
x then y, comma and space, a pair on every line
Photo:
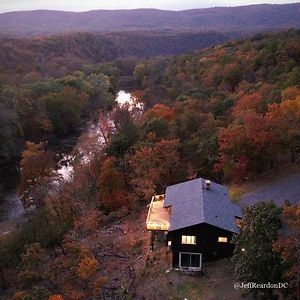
288, 245
111, 185
36, 170
284, 122
248, 103
244, 146
154, 167
161, 111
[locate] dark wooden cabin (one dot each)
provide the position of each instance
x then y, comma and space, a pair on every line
199, 220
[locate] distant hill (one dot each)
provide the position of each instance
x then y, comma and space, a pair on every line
242, 19
70, 51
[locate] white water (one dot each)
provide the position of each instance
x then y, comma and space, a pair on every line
126, 99
94, 139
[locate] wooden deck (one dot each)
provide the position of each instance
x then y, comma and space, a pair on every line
158, 216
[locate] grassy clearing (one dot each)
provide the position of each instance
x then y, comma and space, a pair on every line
216, 283
236, 192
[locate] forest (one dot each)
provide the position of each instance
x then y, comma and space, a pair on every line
226, 112
242, 19
60, 54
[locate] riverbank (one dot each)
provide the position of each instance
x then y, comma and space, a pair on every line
11, 209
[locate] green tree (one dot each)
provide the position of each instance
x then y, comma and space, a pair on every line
6, 260
32, 265
126, 134
254, 258
65, 109
37, 293
10, 128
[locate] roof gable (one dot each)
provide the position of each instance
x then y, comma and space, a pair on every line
192, 204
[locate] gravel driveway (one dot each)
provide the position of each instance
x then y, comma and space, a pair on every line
279, 190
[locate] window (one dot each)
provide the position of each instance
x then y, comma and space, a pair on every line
222, 239
188, 239
190, 260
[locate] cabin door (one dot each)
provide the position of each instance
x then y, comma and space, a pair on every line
190, 260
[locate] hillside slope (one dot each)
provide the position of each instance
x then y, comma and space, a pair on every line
49, 54
244, 18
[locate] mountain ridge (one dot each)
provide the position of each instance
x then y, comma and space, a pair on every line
250, 18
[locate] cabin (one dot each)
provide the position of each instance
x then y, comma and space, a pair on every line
198, 219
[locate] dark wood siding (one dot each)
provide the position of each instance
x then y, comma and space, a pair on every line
206, 242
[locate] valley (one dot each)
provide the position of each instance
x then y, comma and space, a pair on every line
102, 110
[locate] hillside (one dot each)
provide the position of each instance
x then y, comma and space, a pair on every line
60, 53
237, 19
232, 98
229, 113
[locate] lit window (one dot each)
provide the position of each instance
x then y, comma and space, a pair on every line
188, 239
169, 243
222, 239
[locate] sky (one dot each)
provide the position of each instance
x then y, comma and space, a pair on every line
85, 5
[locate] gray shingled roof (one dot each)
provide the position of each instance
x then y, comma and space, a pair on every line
192, 204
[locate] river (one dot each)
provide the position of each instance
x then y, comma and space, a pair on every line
11, 209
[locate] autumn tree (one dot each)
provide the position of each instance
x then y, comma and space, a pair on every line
246, 103
32, 265
111, 185
284, 121
288, 246
244, 147
56, 297
157, 119
155, 167
290, 93
83, 266
36, 170
105, 127
86, 268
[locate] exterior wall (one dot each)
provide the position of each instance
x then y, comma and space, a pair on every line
206, 242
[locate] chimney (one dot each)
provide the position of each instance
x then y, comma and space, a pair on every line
207, 184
